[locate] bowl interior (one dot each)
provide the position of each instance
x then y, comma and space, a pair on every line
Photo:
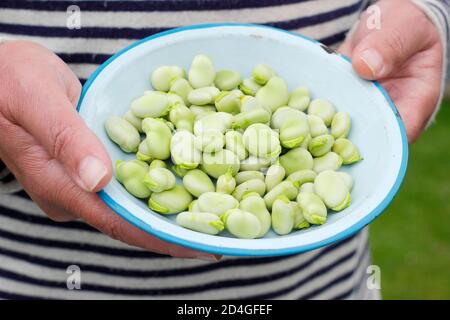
376, 128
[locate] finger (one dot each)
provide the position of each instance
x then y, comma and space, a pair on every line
65, 136
23, 139
380, 51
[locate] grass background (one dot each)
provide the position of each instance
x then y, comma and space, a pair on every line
411, 240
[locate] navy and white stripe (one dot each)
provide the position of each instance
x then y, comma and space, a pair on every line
35, 252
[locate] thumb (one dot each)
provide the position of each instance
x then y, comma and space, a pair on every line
56, 125
381, 51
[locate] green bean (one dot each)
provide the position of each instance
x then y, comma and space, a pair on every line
300, 177
182, 117
314, 210
197, 182
245, 119
253, 163
274, 175
323, 109
159, 179
242, 224
215, 121
299, 219
296, 159
254, 185
283, 216
202, 72
321, 145
183, 150
203, 96
307, 187
261, 141
218, 163
226, 183
262, 73
281, 115
170, 201
286, 188
299, 98
243, 176
330, 161
274, 94
143, 154
182, 88
252, 202
163, 76
135, 121
216, 203
157, 164
227, 80
333, 190
131, 175
235, 143
123, 133
158, 138
347, 150
152, 104
228, 102
340, 126
210, 141
316, 126
293, 132
249, 87
203, 222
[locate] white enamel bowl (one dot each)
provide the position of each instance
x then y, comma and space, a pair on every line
376, 125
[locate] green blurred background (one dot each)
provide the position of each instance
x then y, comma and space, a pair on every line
411, 239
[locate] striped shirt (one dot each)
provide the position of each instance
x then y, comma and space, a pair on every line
37, 254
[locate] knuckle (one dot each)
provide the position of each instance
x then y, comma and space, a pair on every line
396, 43
63, 137
114, 229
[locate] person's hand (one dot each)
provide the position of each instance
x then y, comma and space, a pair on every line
405, 55
52, 153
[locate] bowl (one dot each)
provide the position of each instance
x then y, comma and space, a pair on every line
377, 128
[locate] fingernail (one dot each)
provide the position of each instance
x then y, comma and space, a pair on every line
374, 61
209, 257
91, 172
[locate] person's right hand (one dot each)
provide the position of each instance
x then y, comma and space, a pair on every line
49, 149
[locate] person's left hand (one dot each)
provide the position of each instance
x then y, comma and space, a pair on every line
405, 55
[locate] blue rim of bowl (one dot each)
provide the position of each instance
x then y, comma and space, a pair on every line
128, 216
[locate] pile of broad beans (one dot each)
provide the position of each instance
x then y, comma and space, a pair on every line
252, 155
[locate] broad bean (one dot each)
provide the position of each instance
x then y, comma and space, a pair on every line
333, 190
216, 203
313, 208
197, 182
283, 215
203, 222
252, 202
131, 175
170, 201
202, 72
123, 133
